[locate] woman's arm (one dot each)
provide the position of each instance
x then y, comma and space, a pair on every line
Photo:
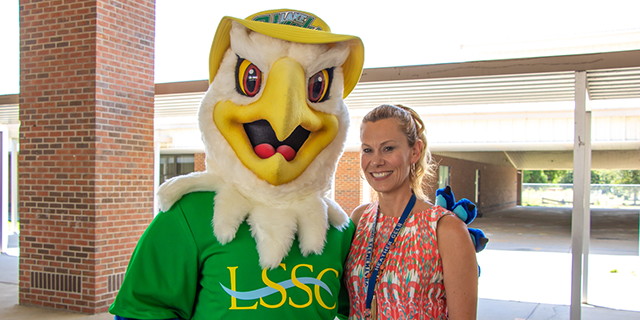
357, 213
460, 268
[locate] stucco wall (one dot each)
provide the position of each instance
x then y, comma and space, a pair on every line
498, 184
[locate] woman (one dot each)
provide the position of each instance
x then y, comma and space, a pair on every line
428, 269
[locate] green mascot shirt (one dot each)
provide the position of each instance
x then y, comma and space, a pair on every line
179, 270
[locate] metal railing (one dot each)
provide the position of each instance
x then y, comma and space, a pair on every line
561, 195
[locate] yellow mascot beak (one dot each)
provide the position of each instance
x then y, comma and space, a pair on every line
280, 122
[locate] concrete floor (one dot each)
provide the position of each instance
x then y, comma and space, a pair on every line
525, 269
613, 231
528, 259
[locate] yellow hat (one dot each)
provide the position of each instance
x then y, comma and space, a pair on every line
295, 26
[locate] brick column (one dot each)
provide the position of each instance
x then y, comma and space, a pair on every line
199, 162
348, 182
86, 147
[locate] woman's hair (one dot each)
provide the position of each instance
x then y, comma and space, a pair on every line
412, 126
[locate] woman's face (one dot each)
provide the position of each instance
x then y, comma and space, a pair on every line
385, 155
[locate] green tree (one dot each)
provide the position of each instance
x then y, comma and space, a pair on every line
534, 176
628, 177
567, 177
554, 176
603, 176
596, 178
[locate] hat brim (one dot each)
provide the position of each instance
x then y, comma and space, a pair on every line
352, 67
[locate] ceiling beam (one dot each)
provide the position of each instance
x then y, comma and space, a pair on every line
182, 87
8, 99
580, 62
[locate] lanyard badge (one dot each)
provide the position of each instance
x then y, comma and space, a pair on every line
372, 275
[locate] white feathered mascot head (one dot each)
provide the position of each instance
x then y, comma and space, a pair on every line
274, 124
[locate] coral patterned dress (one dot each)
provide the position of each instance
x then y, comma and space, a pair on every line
410, 282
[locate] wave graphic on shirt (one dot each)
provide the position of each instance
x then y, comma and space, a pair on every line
266, 291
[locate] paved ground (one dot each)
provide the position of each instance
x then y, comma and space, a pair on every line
526, 269
613, 231
489, 309
528, 259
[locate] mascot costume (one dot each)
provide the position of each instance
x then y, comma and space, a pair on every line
255, 236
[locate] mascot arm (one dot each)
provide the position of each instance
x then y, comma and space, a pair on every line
161, 279
343, 295
343, 303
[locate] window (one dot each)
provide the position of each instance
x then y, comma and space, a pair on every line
172, 165
444, 177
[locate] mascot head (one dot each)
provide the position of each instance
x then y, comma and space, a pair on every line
274, 124
279, 78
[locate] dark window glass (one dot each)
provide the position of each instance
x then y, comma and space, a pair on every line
444, 177
172, 165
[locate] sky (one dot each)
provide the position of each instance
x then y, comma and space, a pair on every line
395, 33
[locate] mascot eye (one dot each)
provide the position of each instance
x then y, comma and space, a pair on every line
319, 85
248, 78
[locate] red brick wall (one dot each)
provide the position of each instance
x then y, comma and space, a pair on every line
348, 182
498, 184
199, 162
86, 147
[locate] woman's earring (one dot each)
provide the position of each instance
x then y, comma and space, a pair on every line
413, 169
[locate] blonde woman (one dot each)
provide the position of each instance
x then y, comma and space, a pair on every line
409, 259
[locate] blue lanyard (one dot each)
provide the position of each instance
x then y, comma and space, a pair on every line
370, 279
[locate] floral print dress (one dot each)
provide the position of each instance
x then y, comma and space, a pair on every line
410, 281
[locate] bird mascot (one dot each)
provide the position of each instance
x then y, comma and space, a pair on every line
255, 235
466, 211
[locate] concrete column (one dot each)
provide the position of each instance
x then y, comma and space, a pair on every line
15, 215
86, 147
586, 235
4, 188
156, 176
581, 188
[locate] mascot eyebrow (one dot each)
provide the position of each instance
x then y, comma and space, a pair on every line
333, 58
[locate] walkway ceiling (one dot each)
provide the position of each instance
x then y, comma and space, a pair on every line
611, 75
9, 109
514, 88
551, 160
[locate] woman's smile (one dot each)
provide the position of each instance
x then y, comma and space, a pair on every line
380, 175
